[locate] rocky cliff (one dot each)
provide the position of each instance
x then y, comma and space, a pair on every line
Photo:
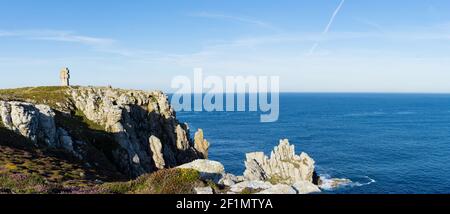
105, 140
136, 132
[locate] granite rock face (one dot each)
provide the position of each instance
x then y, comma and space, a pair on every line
134, 117
35, 122
140, 128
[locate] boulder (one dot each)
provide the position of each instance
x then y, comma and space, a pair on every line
230, 179
279, 189
204, 190
253, 185
305, 187
209, 170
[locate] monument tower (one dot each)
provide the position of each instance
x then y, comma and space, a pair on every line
64, 76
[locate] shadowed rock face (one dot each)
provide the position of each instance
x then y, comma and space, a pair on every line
136, 130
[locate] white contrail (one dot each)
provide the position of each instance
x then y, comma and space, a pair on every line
327, 28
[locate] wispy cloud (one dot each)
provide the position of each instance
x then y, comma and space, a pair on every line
247, 20
58, 36
327, 28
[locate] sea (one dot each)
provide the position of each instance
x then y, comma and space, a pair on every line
384, 143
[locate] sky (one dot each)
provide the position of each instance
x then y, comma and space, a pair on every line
312, 45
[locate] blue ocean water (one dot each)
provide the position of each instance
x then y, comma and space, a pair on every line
384, 143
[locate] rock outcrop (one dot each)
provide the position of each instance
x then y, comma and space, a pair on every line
283, 166
35, 122
283, 173
137, 130
138, 120
200, 144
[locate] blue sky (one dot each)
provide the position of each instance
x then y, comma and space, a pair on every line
368, 46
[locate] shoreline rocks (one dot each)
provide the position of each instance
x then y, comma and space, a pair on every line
283, 173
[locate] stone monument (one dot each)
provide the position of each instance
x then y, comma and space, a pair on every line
64, 76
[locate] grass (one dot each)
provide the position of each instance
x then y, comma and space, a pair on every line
18, 155
30, 170
49, 95
30, 163
23, 184
168, 181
